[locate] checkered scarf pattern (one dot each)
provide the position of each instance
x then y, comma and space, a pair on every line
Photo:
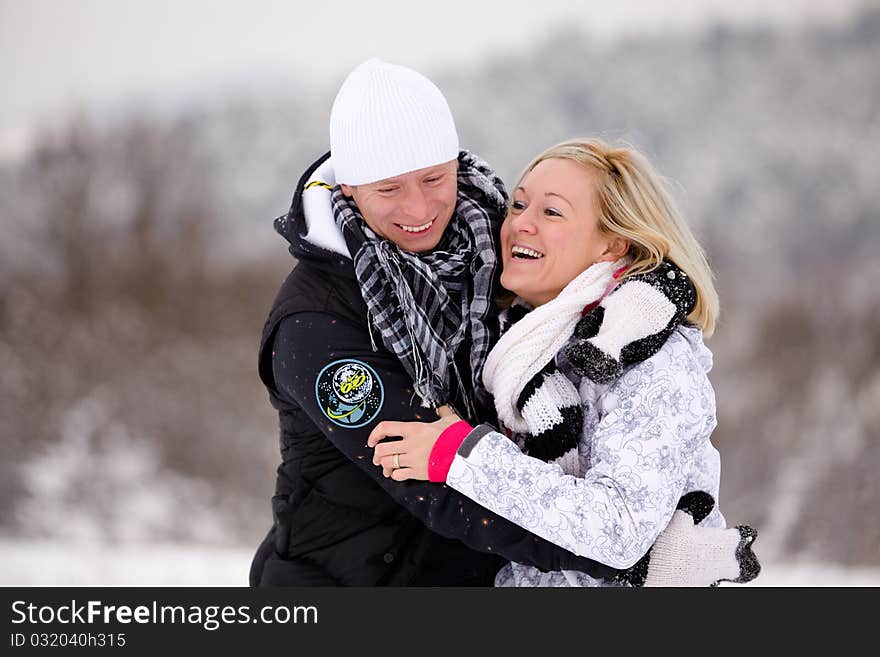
428, 306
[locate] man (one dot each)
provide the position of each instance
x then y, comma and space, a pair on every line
388, 314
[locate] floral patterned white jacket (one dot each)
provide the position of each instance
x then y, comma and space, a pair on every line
645, 443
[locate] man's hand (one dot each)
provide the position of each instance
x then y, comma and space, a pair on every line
444, 411
408, 458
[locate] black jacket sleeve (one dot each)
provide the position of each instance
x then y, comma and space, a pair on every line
327, 366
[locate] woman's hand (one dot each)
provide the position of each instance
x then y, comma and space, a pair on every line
408, 458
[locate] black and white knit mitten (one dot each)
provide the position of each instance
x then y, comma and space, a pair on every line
632, 323
687, 554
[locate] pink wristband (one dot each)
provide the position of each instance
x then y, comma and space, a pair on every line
443, 452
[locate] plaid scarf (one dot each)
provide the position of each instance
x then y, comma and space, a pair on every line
428, 306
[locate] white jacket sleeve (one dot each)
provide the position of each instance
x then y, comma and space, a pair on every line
657, 419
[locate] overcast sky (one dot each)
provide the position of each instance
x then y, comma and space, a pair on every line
55, 54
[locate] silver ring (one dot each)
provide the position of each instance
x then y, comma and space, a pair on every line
395, 461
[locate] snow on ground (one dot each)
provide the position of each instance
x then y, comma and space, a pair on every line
35, 563
815, 575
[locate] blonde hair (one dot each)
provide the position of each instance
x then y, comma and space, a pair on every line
634, 205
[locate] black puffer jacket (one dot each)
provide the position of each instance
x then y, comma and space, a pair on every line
337, 520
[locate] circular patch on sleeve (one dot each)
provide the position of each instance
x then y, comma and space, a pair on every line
349, 393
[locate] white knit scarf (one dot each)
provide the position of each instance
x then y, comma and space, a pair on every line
598, 333
533, 342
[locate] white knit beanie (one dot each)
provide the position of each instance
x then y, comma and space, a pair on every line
388, 120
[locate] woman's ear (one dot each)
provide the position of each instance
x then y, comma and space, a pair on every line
345, 189
615, 249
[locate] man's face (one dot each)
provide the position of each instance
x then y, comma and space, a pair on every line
412, 209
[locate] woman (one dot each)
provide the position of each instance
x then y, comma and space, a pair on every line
600, 378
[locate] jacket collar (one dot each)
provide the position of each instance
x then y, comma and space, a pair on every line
309, 226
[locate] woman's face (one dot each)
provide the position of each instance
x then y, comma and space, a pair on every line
551, 233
